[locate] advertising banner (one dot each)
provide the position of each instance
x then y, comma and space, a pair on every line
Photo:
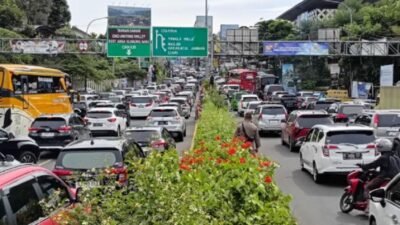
387, 75
288, 78
360, 90
129, 16
37, 47
295, 48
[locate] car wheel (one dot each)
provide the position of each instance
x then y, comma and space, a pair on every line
292, 146
316, 176
346, 203
27, 157
302, 163
372, 221
181, 137
184, 132
119, 132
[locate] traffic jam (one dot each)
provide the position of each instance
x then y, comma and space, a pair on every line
92, 133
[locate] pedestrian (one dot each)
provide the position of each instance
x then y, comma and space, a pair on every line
249, 131
212, 80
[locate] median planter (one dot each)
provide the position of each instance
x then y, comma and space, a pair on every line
218, 182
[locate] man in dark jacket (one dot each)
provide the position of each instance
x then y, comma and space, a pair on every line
249, 131
212, 80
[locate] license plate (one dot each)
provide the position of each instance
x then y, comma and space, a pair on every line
162, 123
97, 124
352, 156
89, 184
274, 122
47, 135
141, 106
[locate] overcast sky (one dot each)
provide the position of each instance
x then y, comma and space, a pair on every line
181, 12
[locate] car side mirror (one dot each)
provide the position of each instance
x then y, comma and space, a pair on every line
378, 195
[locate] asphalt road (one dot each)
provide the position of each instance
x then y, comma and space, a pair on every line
48, 159
312, 204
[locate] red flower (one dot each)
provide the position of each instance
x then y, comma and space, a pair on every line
184, 167
232, 151
246, 145
268, 180
217, 138
265, 164
219, 161
198, 152
242, 160
224, 145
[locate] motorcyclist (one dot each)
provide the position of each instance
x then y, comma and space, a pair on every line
384, 146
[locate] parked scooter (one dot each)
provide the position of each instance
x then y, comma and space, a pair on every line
354, 194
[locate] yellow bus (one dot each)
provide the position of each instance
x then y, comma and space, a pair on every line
27, 92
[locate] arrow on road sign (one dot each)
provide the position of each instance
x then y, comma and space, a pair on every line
129, 52
162, 41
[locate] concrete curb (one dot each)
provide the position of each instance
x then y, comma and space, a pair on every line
194, 136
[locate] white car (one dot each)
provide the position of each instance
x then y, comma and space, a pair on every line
252, 106
170, 119
227, 87
268, 117
152, 89
384, 204
336, 149
244, 100
141, 106
103, 121
186, 109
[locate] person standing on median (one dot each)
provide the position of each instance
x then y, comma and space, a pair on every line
249, 131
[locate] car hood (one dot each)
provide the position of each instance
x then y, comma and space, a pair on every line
22, 138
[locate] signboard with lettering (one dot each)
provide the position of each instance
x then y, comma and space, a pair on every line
128, 42
180, 42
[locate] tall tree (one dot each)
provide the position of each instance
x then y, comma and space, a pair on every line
59, 15
37, 11
11, 16
276, 30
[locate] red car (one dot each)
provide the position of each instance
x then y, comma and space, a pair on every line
22, 186
299, 124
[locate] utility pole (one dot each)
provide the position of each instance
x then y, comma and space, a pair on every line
208, 40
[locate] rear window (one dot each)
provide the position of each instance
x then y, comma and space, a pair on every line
141, 100
253, 106
52, 123
322, 106
310, 121
234, 87
389, 120
115, 100
143, 135
163, 113
178, 101
352, 110
275, 88
99, 115
86, 160
308, 94
250, 99
101, 105
350, 137
273, 111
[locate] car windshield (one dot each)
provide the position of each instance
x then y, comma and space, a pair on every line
250, 99
143, 135
234, 87
311, 120
356, 137
53, 123
352, 110
163, 113
141, 100
389, 120
86, 160
273, 111
99, 115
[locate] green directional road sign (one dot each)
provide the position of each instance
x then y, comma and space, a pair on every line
180, 42
128, 42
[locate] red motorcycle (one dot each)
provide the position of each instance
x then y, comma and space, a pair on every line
354, 194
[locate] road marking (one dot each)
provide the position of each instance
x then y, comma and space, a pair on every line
45, 162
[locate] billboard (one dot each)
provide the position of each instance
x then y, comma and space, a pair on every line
295, 48
361, 90
224, 29
288, 78
129, 16
387, 75
37, 47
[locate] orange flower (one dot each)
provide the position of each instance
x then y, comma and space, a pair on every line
246, 145
217, 138
184, 167
268, 179
224, 145
265, 164
198, 152
242, 160
232, 151
219, 161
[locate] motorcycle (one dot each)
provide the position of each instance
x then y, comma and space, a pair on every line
354, 194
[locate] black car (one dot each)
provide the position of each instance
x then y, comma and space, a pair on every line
289, 101
80, 108
150, 138
23, 149
56, 131
82, 161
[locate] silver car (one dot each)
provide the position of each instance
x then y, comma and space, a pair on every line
169, 118
385, 122
268, 117
186, 109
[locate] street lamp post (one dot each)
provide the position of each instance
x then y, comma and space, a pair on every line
345, 5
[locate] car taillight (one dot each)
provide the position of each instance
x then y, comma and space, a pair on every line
64, 129
376, 120
341, 116
33, 130
158, 144
373, 146
62, 173
112, 120
327, 148
133, 104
